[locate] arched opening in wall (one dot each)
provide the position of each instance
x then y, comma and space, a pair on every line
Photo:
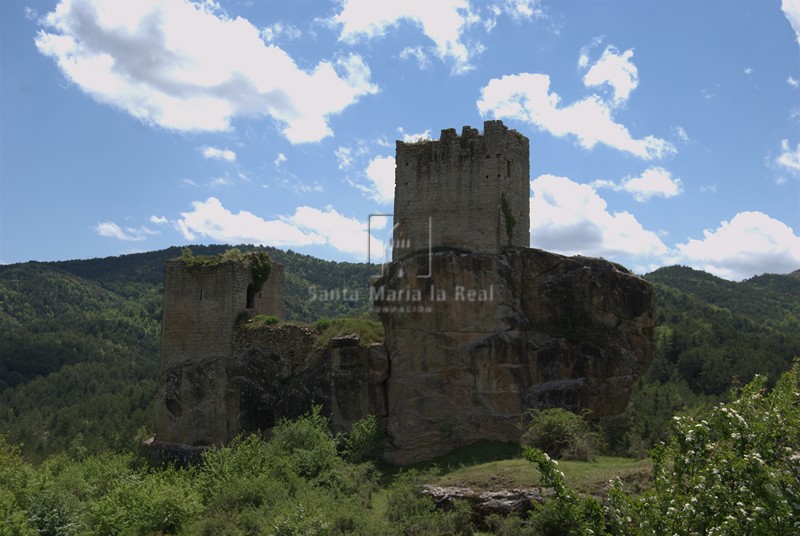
251, 296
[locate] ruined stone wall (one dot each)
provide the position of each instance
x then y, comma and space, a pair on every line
196, 403
201, 304
474, 189
270, 299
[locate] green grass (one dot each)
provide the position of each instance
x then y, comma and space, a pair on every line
369, 330
586, 477
492, 465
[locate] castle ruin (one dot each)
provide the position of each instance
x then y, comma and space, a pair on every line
479, 327
201, 306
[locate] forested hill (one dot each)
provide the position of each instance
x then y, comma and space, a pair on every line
711, 330
136, 274
57, 313
79, 342
760, 298
79, 339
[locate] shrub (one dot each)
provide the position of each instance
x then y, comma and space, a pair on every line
15, 476
567, 512
734, 471
161, 502
306, 442
561, 434
511, 525
224, 468
364, 439
410, 512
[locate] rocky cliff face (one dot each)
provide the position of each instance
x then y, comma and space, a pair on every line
486, 336
272, 373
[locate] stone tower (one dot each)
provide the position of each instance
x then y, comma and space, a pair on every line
469, 192
202, 303
201, 307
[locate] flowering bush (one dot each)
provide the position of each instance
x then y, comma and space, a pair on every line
737, 471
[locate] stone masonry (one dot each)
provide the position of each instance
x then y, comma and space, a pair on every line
201, 306
468, 192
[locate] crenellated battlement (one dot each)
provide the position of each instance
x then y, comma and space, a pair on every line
469, 192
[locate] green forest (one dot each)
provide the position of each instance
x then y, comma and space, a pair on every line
79, 344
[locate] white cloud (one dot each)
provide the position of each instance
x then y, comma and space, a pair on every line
411, 138
214, 182
280, 159
419, 54
583, 56
748, 71
751, 243
615, 69
793, 82
210, 219
347, 235
184, 66
527, 97
344, 156
522, 9
518, 10
219, 154
572, 218
307, 226
280, 30
681, 134
112, 230
791, 8
789, 159
380, 173
159, 220
653, 182
442, 21
708, 189
220, 182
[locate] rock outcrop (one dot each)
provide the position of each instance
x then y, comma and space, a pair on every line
272, 373
486, 503
474, 340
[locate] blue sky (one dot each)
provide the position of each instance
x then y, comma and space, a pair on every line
661, 132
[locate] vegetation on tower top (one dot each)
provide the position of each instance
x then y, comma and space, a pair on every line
259, 261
